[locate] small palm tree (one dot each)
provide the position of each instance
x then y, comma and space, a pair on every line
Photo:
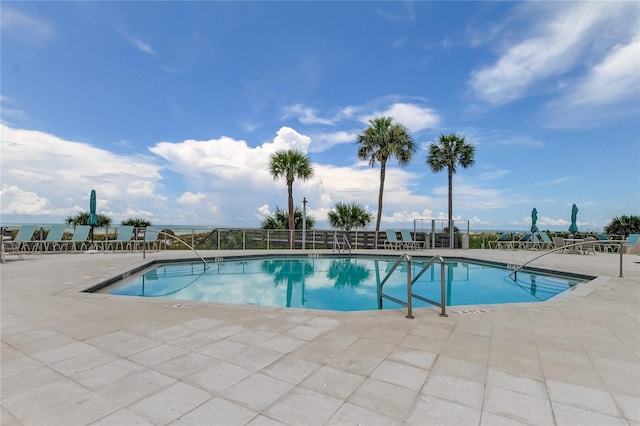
290, 164
349, 216
623, 225
385, 139
450, 151
280, 220
137, 222
82, 218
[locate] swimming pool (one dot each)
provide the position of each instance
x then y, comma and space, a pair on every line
339, 283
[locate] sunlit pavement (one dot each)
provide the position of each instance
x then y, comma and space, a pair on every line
74, 358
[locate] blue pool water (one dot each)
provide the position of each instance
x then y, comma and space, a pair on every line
338, 283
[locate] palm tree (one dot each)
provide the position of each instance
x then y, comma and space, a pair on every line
385, 139
137, 222
82, 218
347, 216
623, 225
280, 220
450, 151
291, 164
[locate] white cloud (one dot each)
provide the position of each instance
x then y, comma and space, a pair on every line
236, 178
405, 217
229, 182
263, 211
615, 78
397, 11
228, 159
565, 33
136, 42
46, 175
18, 201
549, 221
307, 115
191, 198
324, 141
25, 28
142, 46
613, 81
415, 117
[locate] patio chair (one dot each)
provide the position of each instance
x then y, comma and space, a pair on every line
546, 243
632, 246
502, 242
530, 243
123, 240
588, 245
22, 241
53, 241
392, 241
79, 240
409, 242
152, 238
604, 244
559, 243
521, 243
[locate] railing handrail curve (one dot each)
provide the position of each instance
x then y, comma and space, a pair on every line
144, 244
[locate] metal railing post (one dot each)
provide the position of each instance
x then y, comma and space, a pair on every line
443, 292
621, 254
409, 296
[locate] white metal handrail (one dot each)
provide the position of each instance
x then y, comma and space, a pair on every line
341, 245
514, 274
144, 244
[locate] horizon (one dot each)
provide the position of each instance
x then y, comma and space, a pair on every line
170, 110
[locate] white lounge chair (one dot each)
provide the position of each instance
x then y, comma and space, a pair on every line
53, 241
632, 245
546, 243
22, 242
392, 241
79, 239
504, 241
123, 239
408, 242
520, 243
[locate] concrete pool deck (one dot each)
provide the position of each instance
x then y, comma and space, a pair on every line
73, 358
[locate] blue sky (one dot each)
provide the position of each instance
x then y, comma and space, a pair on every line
170, 110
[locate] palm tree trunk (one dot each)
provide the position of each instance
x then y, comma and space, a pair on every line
383, 168
291, 218
451, 232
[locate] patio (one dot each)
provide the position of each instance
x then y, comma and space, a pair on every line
73, 358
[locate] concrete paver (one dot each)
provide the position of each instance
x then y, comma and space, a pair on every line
74, 358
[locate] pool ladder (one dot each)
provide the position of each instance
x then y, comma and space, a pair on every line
410, 281
341, 244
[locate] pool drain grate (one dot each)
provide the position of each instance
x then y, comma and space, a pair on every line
177, 305
475, 311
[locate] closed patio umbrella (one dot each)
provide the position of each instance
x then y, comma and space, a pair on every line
534, 219
93, 218
574, 217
